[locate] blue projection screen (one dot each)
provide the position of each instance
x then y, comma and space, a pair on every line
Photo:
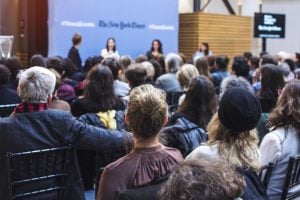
133, 23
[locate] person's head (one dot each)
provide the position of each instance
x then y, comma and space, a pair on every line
254, 62
150, 70
4, 75
234, 82
157, 46
240, 67
125, 61
297, 74
200, 102
60, 105
203, 180
136, 75
186, 73
247, 55
157, 67
202, 66
111, 44
268, 59
183, 58
291, 63
36, 85
271, 81
211, 62
76, 39
286, 111
233, 128
204, 47
37, 60
297, 57
14, 65
147, 111
57, 63
173, 62
99, 89
221, 62
113, 65
141, 58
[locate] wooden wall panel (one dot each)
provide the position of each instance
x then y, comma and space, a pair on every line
226, 34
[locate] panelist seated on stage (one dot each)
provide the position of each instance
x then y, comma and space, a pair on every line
110, 51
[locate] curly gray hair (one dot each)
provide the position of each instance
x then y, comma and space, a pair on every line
233, 82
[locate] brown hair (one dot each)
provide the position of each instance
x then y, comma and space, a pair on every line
147, 109
202, 180
76, 39
239, 149
202, 66
287, 110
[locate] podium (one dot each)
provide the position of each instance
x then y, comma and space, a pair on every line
6, 44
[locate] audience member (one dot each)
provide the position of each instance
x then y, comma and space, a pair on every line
247, 56
283, 141
73, 53
232, 137
202, 66
203, 180
38, 60
141, 58
186, 130
99, 95
60, 105
149, 161
150, 72
157, 68
297, 60
240, 68
211, 63
156, 50
168, 82
14, 65
34, 126
121, 88
235, 82
136, 75
254, 69
288, 74
186, 73
8, 95
221, 71
110, 50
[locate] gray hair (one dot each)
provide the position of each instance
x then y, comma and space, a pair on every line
36, 84
149, 68
173, 62
233, 82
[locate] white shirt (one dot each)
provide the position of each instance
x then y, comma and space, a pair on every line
110, 54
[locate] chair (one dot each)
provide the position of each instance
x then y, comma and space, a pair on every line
6, 110
291, 178
265, 174
38, 174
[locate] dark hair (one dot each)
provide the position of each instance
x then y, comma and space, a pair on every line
160, 48
37, 60
254, 61
268, 59
240, 67
136, 74
113, 39
221, 62
247, 55
206, 52
297, 55
90, 62
157, 68
203, 180
58, 64
99, 91
14, 65
113, 65
76, 39
271, 81
4, 75
291, 63
183, 57
200, 102
286, 111
263, 53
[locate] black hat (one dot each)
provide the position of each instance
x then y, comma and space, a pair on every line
239, 110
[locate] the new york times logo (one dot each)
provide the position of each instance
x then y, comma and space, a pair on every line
121, 25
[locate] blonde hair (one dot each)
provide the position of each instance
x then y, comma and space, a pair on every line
239, 149
186, 73
147, 109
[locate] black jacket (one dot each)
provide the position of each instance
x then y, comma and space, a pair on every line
53, 128
75, 57
184, 135
8, 96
